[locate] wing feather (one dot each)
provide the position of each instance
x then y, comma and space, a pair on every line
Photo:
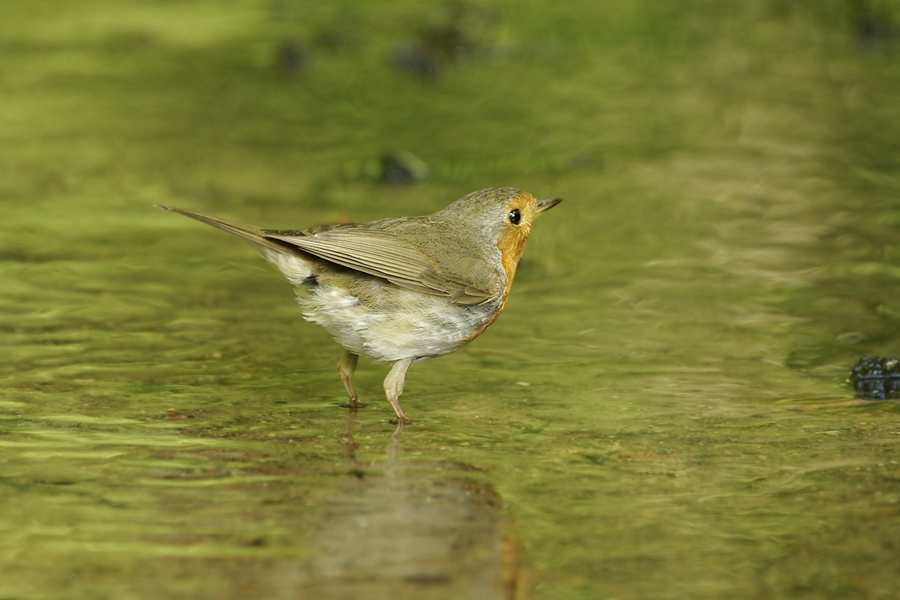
383, 254
376, 251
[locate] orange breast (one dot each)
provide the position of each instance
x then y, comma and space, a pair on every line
510, 247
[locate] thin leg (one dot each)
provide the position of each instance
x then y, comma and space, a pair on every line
346, 367
393, 386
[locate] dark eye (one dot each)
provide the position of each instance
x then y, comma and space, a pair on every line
514, 216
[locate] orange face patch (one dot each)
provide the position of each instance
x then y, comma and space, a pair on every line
511, 244
513, 237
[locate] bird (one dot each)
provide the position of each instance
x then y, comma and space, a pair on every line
402, 290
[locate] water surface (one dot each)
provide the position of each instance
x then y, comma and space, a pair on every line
662, 410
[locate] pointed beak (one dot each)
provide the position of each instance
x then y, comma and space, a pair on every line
545, 205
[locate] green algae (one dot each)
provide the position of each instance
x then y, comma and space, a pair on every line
663, 405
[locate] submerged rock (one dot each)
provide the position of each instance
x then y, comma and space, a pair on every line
876, 378
396, 168
291, 58
456, 31
417, 59
402, 168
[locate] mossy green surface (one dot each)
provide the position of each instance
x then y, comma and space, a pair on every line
663, 405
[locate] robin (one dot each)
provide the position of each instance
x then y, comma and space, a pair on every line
403, 290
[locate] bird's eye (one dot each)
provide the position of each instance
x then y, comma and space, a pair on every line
514, 216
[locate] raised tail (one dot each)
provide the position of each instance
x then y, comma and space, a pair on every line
250, 233
289, 259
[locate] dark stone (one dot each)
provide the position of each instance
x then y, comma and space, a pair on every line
291, 58
876, 378
402, 168
418, 60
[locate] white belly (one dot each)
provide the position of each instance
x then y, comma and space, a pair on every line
368, 321
425, 327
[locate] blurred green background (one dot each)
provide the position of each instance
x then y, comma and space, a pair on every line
662, 410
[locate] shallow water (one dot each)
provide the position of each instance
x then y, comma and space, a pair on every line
661, 411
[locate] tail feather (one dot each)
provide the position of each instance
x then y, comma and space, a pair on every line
248, 232
287, 258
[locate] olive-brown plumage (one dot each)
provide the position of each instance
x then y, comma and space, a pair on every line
407, 289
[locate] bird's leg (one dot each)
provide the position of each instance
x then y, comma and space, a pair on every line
393, 386
346, 367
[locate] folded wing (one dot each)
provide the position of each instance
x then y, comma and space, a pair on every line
389, 256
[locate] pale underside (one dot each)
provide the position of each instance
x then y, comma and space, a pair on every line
374, 317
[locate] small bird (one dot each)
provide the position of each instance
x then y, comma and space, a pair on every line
407, 289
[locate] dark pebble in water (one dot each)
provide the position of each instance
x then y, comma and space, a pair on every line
402, 168
416, 59
876, 378
394, 173
291, 58
875, 31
